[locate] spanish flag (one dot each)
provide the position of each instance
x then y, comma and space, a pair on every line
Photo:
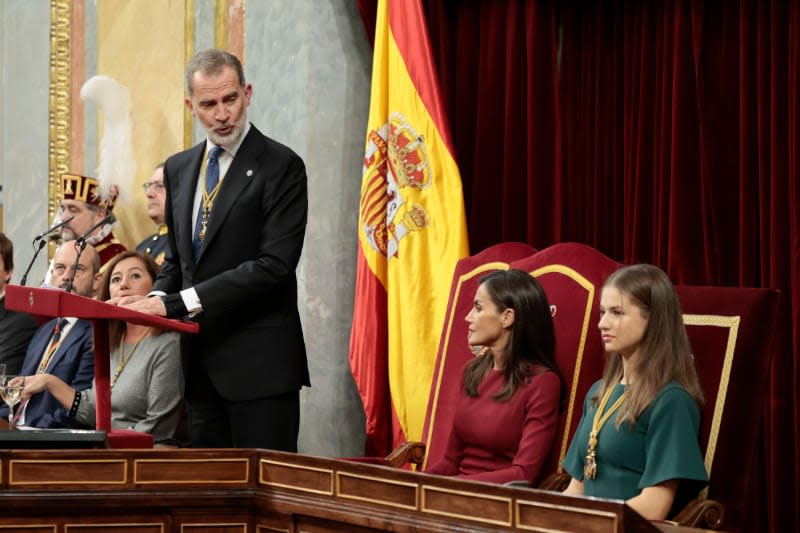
411, 231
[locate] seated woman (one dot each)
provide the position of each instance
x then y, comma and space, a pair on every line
147, 383
506, 416
637, 438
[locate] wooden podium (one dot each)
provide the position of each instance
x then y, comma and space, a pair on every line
50, 303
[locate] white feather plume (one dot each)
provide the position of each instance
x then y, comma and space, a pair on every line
117, 166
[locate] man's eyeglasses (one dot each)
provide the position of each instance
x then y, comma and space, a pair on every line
157, 185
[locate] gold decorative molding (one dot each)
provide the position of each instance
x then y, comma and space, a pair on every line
576, 375
731, 323
188, 52
221, 24
59, 98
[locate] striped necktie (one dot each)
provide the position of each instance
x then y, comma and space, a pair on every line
211, 181
52, 347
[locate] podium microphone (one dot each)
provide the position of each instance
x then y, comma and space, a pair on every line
108, 219
53, 228
81, 244
41, 240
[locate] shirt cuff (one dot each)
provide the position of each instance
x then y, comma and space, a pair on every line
191, 300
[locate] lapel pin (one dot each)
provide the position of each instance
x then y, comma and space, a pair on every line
249, 173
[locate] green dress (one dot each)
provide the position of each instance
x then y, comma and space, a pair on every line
661, 446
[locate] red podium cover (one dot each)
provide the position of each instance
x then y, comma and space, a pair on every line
51, 303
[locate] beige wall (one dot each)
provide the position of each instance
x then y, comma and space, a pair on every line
144, 50
309, 62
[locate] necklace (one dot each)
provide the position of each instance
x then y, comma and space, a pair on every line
208, 199
600, 418
123, 359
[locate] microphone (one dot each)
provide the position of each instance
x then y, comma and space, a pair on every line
108, 219
41, 240
53, 228
80, 242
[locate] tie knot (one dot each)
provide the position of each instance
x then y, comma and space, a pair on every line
61, 323
214, 153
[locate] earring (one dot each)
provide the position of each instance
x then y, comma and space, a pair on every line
479, 351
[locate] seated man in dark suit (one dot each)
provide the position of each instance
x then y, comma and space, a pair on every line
62, 346
16, 329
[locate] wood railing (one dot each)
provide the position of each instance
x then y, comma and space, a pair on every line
228, 491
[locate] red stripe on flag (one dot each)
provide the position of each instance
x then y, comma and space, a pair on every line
416, 50
369, 357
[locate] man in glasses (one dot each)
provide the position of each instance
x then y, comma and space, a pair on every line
156, 244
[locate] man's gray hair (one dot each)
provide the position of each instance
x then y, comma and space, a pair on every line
212, 61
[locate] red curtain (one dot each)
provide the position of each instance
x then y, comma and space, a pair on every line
663, 131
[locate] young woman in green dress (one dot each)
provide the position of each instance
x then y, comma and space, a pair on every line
637, 438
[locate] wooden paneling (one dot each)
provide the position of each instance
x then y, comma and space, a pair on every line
244, 491
205, 471
85, 472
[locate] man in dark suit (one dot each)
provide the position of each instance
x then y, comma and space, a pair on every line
16, 329
236, 211
62, 346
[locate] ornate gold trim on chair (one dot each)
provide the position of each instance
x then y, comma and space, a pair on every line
573, 275
732, 324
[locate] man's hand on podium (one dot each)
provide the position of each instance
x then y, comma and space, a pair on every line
153, 305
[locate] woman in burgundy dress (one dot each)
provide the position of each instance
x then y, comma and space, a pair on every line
506, 417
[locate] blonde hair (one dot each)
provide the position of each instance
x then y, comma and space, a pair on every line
665, 352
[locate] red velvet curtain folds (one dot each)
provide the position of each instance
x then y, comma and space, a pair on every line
662, 131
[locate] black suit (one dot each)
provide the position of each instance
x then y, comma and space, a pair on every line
250, 346
16, 330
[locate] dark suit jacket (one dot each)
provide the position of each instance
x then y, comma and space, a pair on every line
250, 341
16, 330
73, 362
155, 246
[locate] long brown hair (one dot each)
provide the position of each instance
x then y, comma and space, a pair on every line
116, 328
532, 340
665, 353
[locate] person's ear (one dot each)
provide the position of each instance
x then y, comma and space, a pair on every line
98, 278
507, 318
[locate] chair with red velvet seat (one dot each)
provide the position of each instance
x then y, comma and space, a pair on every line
572, 276
731, 331
452, 355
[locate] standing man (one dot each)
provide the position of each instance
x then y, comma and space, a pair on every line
156, 244
236, 211
16, 329
62, 346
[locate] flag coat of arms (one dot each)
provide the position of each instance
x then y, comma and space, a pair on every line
411, 231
